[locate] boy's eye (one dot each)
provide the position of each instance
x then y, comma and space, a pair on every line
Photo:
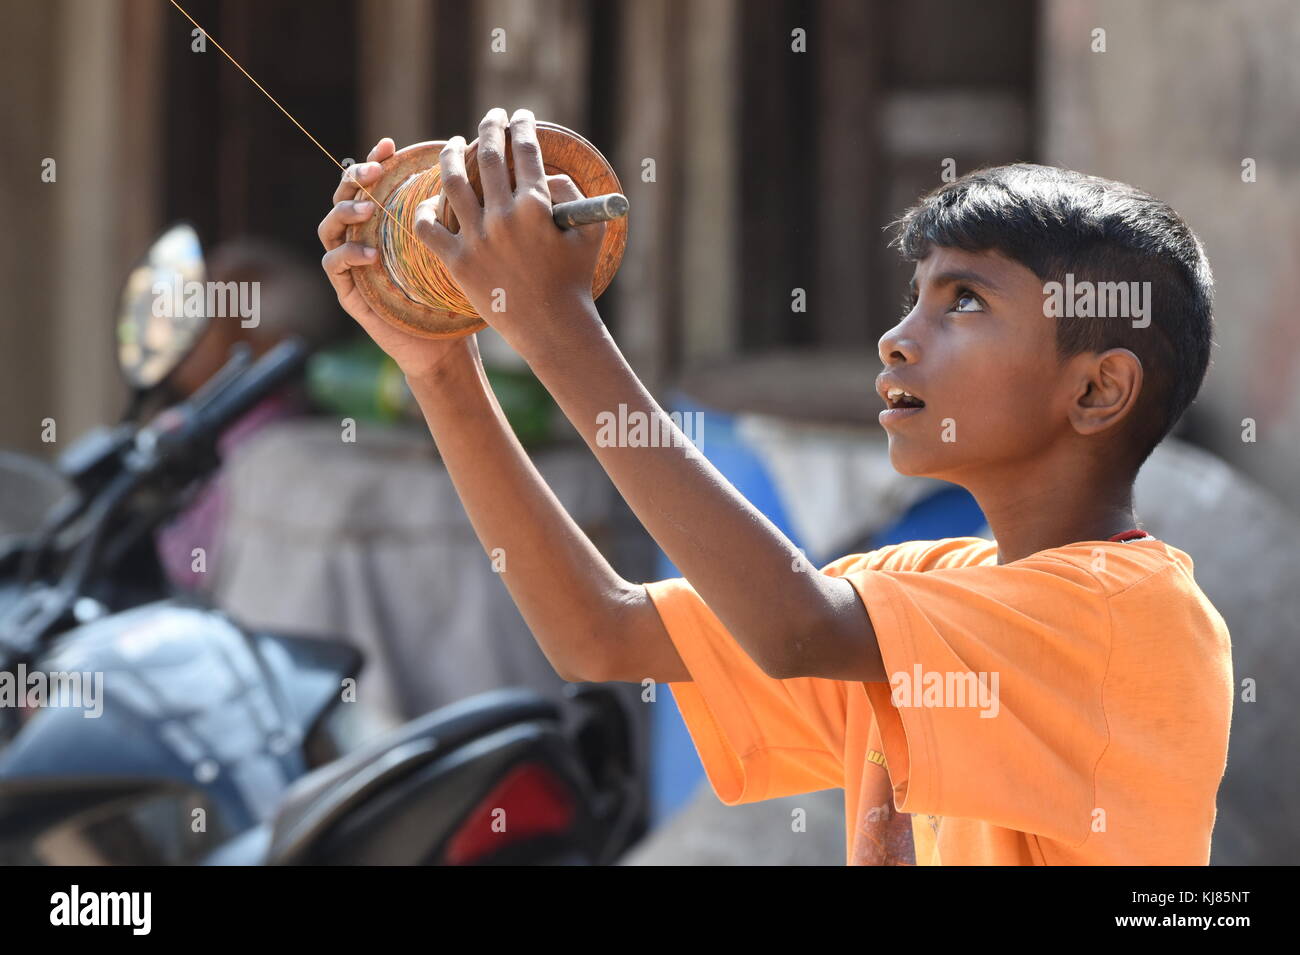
968, 302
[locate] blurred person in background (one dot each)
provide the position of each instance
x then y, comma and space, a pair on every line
292, 303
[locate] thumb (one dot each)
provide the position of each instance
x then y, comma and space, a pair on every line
433, 233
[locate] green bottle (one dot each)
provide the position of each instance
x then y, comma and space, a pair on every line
356, 379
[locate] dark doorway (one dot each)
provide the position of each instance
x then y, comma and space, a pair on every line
236, 165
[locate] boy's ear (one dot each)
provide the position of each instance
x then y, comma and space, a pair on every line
1109, 385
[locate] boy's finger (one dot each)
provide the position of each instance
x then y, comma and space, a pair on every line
433, 233
383, 149
337, 262
334, 226
492, 159
456, 187
365, 173
527, 153
563, 189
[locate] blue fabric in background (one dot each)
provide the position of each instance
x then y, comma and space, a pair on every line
948, 512
676, 771
675, 767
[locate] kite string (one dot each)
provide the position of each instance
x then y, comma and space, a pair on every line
327, 153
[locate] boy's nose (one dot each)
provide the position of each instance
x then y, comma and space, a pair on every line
896, 346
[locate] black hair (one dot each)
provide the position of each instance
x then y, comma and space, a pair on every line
1057, 222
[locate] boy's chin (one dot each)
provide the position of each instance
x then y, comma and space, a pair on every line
913, 461
906, 460
910, 470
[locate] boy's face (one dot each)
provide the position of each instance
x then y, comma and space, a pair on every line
980, 354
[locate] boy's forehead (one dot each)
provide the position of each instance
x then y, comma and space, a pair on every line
995, 270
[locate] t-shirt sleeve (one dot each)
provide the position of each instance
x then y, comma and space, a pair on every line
994, 706
758, 737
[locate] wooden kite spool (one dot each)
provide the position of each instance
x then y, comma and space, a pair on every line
428, 316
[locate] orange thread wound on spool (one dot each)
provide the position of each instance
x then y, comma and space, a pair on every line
414, 269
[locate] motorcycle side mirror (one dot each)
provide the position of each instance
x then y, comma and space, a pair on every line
163, 309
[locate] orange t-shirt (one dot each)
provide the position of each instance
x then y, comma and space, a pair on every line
1071, 707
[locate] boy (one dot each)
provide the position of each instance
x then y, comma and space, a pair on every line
1061, 696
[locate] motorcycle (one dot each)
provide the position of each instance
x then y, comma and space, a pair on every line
138, 726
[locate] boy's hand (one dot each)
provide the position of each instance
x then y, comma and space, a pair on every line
515, 265
416, 357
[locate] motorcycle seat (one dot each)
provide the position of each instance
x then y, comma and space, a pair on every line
316, 800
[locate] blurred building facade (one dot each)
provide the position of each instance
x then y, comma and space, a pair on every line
759, 160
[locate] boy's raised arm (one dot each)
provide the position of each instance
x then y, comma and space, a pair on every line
792, 620
591, 623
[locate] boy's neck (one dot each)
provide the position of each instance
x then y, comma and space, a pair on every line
1039, 513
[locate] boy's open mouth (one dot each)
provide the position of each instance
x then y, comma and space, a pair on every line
900, 403
898, 398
